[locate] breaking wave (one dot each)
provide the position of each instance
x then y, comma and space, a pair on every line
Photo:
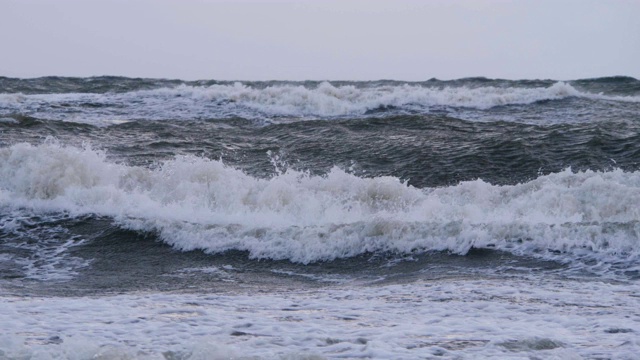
323, 100
196, 203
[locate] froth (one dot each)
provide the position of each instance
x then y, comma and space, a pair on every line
327, 100
286, 100
196, 203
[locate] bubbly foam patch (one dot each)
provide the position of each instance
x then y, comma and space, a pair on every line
196, 203
470, 318
291, 101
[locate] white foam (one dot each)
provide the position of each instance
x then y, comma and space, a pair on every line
329, 100
455, 318
195, 203
297, 101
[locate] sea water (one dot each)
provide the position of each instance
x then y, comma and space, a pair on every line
473, 218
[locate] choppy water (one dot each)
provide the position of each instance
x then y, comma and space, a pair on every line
473, 218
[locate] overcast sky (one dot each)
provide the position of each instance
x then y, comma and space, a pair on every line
321, 39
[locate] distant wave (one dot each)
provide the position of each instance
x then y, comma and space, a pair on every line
195, 203
329, 100
324, 100
118, 84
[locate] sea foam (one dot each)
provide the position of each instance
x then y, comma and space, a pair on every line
451, 318
196, 203
324, 100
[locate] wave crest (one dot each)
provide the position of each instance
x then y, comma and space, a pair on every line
196, 203
324, 100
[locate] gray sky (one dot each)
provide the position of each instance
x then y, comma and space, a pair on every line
321, 39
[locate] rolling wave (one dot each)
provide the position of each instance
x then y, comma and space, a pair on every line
196, 203
298, 101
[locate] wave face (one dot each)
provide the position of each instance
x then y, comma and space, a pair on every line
196, 203
105, 101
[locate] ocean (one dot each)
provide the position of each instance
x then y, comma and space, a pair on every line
464, 219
